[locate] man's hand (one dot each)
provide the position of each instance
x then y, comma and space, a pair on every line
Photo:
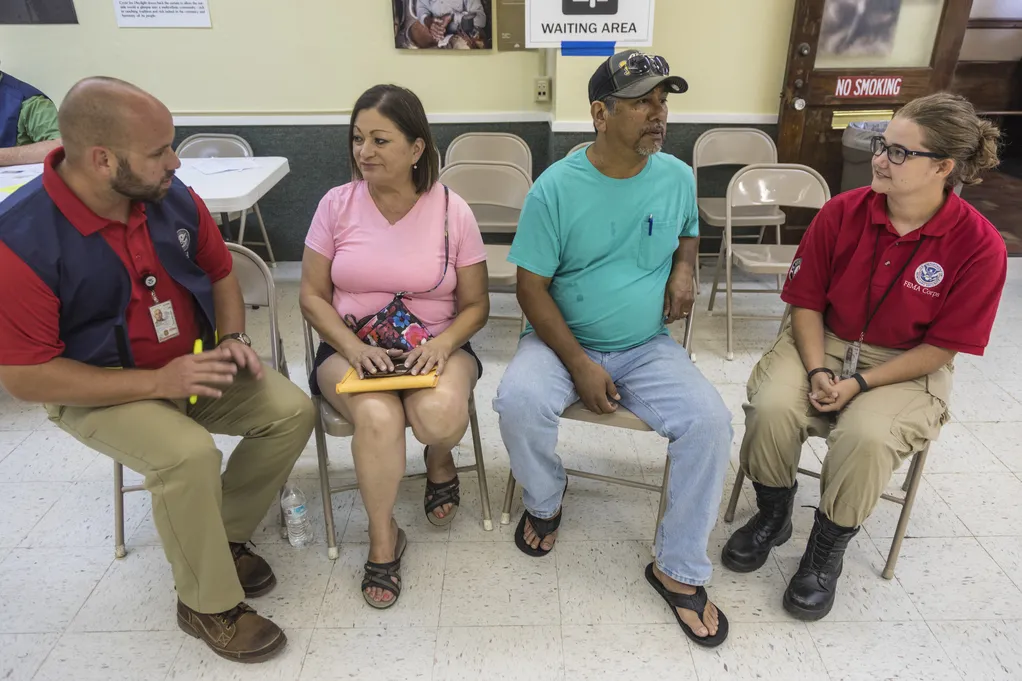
679, 296
201, 375
438, 27
244, 356
594, 386
842, 392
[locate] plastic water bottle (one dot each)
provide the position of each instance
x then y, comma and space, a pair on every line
296, 515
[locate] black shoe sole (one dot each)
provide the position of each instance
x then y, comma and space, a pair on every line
247, 658
800, 613
261, 590
735, 566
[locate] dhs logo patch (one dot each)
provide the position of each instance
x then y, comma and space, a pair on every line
184, 238
796, 265
929, 274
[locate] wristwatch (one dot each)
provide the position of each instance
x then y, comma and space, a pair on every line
241, 337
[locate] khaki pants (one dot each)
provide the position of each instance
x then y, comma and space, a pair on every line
866, 441
196, 510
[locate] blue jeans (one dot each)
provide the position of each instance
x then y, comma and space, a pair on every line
658, 383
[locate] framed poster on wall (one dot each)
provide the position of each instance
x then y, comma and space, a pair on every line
510, 25
443, 24
38, 12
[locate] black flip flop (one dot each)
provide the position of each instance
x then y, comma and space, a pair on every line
438, 494
695, 602
543, 527
386, 576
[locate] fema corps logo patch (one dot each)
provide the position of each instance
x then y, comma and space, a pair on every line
796, 265
929, 274
185, 239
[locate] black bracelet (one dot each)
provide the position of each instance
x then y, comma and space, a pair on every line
822, 370
863, 386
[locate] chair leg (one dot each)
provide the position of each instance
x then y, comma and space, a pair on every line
663, 498
225, 226
241, 228
780, 277
908, 475
730, 314
915, 474
119, 550
266, 237
716, 275
736, 491
690, 322
324, 486
477, 445
509, 496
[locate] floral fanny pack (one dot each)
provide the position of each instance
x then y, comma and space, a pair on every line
394, 327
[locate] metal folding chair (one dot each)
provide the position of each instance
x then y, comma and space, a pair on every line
734, 147
257, 290
910, 487
216, 145
764, 184
621, 418
495, 191
330, 422
501, 147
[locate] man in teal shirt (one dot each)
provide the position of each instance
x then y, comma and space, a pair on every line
28, 123
606, 248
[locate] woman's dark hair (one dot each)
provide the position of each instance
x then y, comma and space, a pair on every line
402, 107
952, 128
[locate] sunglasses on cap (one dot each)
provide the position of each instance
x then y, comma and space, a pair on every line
639, 64
896, 153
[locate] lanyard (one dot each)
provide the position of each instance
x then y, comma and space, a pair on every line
872, 273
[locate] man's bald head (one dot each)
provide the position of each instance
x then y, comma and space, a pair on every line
110, 113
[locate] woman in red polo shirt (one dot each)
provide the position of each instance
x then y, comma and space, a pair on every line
889, 283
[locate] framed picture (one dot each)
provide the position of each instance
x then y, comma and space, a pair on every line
443, 24
38, 12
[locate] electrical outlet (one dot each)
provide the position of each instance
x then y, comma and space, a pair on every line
543, 89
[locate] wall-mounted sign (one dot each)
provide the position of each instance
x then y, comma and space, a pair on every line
868, 86
627, 23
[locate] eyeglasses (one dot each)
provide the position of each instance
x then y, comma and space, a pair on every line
897, 154
640, 64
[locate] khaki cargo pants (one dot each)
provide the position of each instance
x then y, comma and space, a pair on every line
866, 441
197, 511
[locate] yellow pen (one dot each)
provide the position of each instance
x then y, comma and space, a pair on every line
196, 350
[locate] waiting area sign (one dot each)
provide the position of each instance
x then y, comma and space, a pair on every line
556, 23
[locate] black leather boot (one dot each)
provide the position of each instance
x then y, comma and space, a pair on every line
749, 547
810, 593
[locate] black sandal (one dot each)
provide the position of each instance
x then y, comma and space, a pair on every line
543, 529
695, 602
439, 494
386, 576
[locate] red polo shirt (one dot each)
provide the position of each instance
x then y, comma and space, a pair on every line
952, 272
30, 312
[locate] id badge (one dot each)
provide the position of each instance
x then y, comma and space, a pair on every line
163, 321
851, 364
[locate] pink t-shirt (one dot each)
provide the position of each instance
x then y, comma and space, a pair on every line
374, 260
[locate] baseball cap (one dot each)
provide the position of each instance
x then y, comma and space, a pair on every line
632, 74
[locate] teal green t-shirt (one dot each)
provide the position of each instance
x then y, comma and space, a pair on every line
607, 245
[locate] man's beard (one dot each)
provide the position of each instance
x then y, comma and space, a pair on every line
644, 149
128, 184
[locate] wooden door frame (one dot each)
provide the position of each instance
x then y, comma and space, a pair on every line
805, 28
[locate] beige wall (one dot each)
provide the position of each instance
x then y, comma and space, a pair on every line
731, 52
316, 56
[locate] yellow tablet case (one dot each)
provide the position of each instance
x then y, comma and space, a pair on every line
351, 383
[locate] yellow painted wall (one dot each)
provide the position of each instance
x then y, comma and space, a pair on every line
317, 56
291, 56
731, 52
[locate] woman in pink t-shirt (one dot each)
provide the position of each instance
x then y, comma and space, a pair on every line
381, 234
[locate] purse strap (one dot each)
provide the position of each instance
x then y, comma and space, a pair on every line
447, 248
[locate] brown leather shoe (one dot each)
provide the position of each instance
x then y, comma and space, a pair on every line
254, 573
238, 634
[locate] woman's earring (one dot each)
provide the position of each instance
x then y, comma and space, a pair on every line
415, 166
